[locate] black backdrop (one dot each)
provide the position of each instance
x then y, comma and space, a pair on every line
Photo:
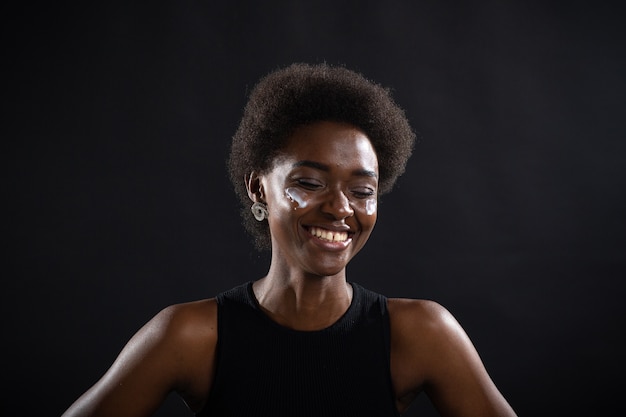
512, 212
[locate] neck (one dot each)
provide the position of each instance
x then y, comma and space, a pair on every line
303, 302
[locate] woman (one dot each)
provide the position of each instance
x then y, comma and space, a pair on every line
315, 148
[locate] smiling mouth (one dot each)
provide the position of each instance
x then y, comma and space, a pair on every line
329, 235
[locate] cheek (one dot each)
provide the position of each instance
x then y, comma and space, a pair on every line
367, 211
371, 206
297, 197
368, 207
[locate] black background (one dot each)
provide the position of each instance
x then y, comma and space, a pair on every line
512, 212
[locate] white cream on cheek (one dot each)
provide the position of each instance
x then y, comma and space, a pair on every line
298, 200
297, 197
371, 205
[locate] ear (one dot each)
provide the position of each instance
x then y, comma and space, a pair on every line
254, 186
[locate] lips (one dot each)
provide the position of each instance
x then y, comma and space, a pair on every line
329, 235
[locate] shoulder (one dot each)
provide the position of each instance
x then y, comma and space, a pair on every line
173, 351
191, 319
420, 316
430, 351
424, 335
184, 339
186, 333
180, 329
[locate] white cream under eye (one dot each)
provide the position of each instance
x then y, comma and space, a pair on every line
371, 205
297, 197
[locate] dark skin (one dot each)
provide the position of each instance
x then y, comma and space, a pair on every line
321, 198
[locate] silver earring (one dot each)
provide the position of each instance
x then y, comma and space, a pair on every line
260, 211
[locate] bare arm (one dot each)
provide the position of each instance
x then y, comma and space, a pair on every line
431, 352
173, 352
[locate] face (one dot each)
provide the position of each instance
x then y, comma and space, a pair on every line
321, 195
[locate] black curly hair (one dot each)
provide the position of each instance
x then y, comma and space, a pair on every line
301, 94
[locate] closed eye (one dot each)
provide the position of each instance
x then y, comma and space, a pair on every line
364, 193
309, 184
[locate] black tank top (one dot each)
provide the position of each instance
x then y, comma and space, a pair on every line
267, 370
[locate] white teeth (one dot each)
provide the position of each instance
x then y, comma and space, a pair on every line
329, 235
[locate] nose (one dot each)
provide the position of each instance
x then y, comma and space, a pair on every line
338, 205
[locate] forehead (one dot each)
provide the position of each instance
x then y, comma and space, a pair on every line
333, 143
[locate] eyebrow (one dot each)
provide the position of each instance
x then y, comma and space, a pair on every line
326, 168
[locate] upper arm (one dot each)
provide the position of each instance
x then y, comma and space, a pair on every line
436, 355
172, 352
